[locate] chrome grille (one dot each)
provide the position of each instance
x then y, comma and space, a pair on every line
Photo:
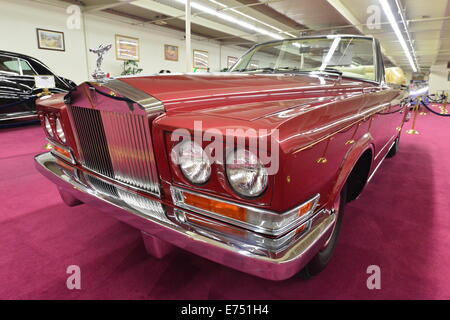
102, 187
141, 204
117, 145
92, 141
145, 206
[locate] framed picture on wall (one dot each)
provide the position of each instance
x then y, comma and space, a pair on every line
448, 76
201, 59
127, 48
50, 40
170, 52
231, 61
448, 65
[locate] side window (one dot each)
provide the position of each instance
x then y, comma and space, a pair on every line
26, 68
9, 66
355, 58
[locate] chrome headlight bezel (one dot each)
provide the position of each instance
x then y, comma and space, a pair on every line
48, 127
193, 162
60, 131
247, 163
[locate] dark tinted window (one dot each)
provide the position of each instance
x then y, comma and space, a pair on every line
26, 68
9, 66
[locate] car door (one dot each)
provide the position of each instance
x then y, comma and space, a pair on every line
16, 85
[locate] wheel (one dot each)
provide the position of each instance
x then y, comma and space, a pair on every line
394, 148
323, 257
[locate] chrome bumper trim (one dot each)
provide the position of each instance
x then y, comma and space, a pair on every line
220, 249
177, 198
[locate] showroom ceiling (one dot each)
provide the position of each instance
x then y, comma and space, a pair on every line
244, 22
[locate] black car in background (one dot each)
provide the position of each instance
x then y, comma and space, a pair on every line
18, 91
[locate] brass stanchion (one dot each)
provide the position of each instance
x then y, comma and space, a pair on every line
443, 108
413, 129
419, 103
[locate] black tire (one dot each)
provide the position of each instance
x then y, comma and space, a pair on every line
394, 149
321, 259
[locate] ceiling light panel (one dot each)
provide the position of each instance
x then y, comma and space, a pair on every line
235, 20
393, 21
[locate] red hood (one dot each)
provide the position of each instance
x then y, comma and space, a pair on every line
242, 96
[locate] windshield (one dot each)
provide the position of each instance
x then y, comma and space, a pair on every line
347, 56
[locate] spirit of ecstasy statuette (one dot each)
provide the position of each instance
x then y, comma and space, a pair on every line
99, 75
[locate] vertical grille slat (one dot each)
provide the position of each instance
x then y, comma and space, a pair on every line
146, 165
117, 145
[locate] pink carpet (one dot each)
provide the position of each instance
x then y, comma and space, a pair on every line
401, 223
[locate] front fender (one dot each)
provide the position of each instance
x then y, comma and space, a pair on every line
348, 163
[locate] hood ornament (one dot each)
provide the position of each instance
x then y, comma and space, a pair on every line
99, 75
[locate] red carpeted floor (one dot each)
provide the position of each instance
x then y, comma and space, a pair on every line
401, 223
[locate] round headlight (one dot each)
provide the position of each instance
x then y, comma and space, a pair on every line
193, 162
48, 127
246, 174
60, 131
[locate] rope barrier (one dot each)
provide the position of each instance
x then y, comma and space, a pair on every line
432, 111
441, 99
391, 112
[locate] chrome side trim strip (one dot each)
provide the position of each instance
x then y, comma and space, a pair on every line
385, 146
379, 164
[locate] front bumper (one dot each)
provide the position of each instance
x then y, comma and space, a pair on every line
157, 218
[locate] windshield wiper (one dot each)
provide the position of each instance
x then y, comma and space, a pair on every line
326, 70
331, 70
268, 69
288, 69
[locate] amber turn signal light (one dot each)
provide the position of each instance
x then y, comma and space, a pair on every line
224, 209
305, 208
62, 151
255, 219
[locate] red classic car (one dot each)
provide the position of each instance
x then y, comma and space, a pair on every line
249, 168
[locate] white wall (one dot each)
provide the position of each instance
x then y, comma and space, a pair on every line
18, 23
439, 78
20, 18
